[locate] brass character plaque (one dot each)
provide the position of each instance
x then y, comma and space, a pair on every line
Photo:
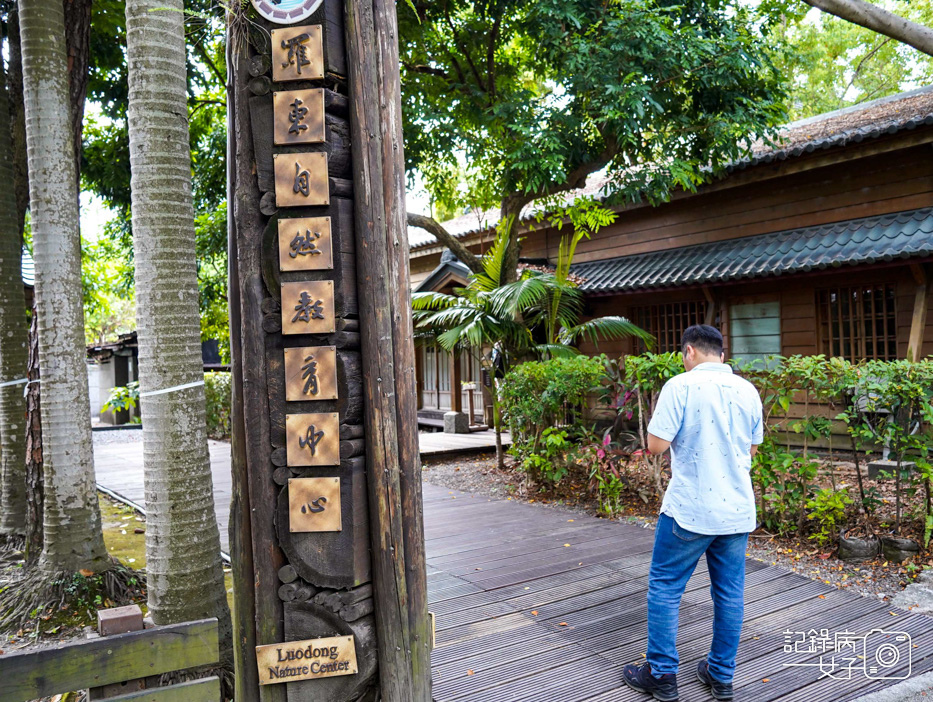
308, 308
301, 179
306, 660
297, 53
312, 439
311, 373
298, 116
305, 244
314, 504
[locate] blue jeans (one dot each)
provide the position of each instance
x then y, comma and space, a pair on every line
675, 556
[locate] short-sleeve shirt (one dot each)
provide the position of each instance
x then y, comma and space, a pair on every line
712, 418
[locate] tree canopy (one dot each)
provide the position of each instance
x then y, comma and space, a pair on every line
536, 95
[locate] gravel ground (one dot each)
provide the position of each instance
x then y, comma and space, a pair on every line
478, 474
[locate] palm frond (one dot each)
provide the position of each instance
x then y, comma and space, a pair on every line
603, 329
432, 300
520, 296
493, 261
556, 351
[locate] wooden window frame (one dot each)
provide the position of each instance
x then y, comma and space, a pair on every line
667, 321
832, 344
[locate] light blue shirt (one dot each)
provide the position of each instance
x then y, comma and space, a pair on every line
711, 417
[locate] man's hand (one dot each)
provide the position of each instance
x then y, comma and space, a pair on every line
657, 445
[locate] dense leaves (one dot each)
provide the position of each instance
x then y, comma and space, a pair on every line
534, 95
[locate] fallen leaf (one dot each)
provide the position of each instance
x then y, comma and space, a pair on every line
86, 573
562, 624
893, 614
569, 520
566, 545
470, 672
822, 597
534, 613
766, 680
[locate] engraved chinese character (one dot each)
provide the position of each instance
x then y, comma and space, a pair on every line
315, 506
297, 52
302, 180
303, 245
308, 309
311, 439
309, 375
296, 116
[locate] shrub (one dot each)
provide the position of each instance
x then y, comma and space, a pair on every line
540, 394
123, 397
217, 392
828, 509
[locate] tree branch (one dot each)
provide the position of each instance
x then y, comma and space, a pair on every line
879, 20
432, 226
202, 52
427, 70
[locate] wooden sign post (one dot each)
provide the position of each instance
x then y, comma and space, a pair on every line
326, 526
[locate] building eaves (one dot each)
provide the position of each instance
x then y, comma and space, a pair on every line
902, 235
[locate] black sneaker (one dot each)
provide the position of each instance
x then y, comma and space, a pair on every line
720, 690
640, 678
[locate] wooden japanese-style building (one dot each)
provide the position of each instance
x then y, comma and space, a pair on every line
821, 244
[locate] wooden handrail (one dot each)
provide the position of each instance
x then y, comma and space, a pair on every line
112, 659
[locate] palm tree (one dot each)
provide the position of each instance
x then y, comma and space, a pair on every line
473, 321
71, 523
13, 346
184, 570
500, 322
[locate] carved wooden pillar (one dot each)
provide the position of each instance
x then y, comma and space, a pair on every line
317, 402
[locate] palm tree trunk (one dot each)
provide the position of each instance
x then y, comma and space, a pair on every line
73, 539
185, 575
13, 333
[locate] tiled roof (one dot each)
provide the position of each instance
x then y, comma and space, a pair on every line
869, 120
858, 241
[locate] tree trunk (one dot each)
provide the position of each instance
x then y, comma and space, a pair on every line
508, 224
35, 491
72, 529
13, 333
17, 118
185, 575
877, 19
77, 40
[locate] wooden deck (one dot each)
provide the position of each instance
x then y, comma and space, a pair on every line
493, 564
435, 444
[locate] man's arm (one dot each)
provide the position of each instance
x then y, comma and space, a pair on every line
754, 449
657, 445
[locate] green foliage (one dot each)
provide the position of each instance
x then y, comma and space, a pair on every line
605, 478
124, 397
831, 63
534, 95
549, 460
539, 395
828, 509
109, 305
217, 392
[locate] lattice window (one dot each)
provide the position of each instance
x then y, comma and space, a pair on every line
667, 322
858, 322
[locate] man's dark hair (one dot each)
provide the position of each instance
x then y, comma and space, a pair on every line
704, 338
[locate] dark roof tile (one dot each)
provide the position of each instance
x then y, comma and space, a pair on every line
871, 239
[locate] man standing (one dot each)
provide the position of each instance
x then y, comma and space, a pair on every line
711, 420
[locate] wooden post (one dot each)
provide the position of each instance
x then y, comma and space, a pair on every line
456, 391
396, 516
918, 320
324, 418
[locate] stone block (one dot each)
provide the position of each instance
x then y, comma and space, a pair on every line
119, 620
876, 467
456, 423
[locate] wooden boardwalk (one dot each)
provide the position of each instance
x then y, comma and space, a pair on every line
434, 444
524, 617
493, 564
